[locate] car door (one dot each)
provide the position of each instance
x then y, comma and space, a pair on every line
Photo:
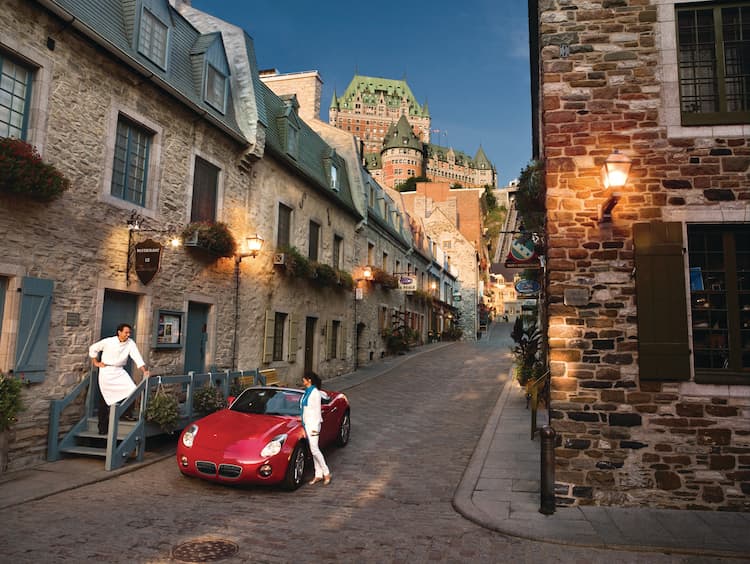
329, 412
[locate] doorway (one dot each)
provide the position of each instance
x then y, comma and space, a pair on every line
310, 324
196, 338
119, 307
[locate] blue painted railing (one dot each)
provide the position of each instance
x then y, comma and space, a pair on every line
118, 450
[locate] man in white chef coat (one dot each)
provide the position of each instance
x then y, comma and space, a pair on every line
115, 383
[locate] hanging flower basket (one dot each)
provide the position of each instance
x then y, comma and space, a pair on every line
208, 399
163, 409
23, 173
213, 238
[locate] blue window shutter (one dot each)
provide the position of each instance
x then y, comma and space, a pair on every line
33, 329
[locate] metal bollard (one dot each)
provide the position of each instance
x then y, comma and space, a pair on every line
547, 470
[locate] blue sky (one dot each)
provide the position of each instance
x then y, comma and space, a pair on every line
469, 60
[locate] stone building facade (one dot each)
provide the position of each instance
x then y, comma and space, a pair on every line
157, 115
649, 304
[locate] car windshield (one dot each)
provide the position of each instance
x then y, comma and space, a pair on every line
268, 401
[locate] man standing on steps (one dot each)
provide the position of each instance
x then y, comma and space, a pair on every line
115, 384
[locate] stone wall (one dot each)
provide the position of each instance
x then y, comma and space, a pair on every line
621, 440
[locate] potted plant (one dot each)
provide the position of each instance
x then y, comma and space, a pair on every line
10, 406
296, 265
213, 238
527, 339
325, 275
345, 279
208, 399
24, 173
386, 281
163, 409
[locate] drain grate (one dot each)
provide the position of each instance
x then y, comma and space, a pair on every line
204, 550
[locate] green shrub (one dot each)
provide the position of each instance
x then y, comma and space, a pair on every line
164, 410
214, 238
10, 401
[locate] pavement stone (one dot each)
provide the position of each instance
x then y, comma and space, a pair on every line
498, 489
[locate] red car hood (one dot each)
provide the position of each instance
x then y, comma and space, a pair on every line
241, 434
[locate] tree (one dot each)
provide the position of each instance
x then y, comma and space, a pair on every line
410, 184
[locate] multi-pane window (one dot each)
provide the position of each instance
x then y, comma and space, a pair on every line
152, 40
338, 243
15, 93
216, 88
720, 298
278, 335
313, 241
130, 166
714, 63
205, 187
284, 232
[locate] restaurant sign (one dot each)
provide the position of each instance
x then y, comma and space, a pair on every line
147, 260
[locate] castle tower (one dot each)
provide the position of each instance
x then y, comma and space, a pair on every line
402, 155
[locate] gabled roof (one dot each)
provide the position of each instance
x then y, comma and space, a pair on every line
112, 24
441, 154
372, 91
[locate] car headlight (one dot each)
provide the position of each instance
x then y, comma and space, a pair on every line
274, 447
189, 435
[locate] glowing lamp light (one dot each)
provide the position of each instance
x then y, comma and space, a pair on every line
254, 245
615, 170
367, 273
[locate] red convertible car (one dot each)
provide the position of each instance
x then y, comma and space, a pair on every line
259, 438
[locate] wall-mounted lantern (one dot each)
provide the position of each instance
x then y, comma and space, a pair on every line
253, 246
615, 170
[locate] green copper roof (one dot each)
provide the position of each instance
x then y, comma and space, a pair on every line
481, 159
441, 154
401, 135
370, 89
334, 101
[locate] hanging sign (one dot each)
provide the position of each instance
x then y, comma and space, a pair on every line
522, 254
407, 283
147, 259
527, 287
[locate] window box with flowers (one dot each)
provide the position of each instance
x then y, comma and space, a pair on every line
215, 239
386, 281
24, 173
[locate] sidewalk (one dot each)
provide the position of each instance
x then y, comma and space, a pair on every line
500, 491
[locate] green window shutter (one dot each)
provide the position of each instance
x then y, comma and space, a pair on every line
268, 333
663, 346
293, 323
33, 329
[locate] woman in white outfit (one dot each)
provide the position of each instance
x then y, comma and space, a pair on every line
311, 420
115, 383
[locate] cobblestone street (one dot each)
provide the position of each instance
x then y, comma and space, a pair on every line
414, 430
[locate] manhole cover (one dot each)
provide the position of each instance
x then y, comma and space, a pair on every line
204, 550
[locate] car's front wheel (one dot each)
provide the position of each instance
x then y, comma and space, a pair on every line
345, 429
295, 472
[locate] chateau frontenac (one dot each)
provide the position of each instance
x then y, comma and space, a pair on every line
394, 132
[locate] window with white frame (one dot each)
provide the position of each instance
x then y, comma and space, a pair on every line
216, 88
130, 164
152, 39
714, 62
15, 96
334, 177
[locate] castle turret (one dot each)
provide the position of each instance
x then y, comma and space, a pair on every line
402, 155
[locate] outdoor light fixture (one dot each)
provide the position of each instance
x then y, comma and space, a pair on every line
615, 170
254, 245
367, 273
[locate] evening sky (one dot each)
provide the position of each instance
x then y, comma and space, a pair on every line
468, 60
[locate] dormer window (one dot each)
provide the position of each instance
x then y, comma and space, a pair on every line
216, 88
292, 140
334, 177
152, 40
